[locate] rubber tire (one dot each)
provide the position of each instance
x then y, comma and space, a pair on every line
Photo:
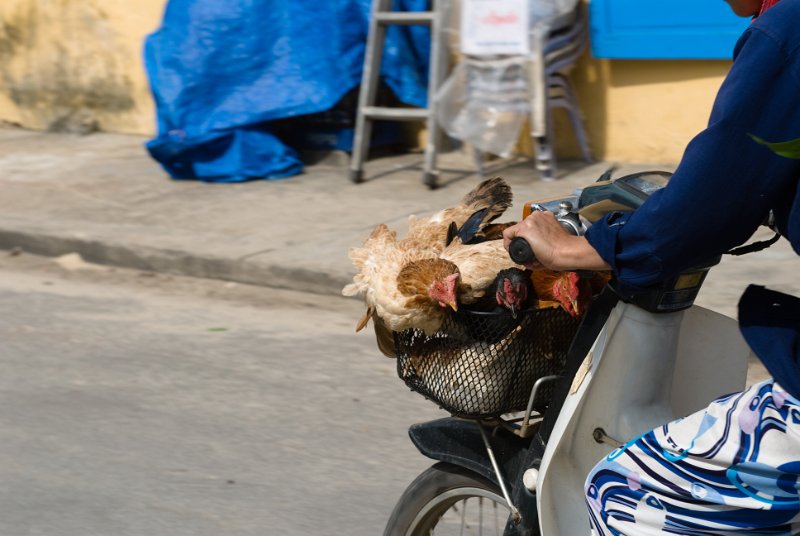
428, 487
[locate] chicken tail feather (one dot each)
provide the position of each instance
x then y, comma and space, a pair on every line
365, 319
452, 231
494, 194
384, 337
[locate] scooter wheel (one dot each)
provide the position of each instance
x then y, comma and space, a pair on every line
438, 498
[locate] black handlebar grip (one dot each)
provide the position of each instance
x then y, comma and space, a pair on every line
520, 251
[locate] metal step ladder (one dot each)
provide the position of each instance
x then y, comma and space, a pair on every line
381, 17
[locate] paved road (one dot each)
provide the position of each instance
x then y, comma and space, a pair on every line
135, 404
149, 405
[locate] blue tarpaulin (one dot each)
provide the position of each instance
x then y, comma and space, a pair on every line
222, 70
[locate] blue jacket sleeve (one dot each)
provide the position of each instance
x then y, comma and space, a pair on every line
726, 183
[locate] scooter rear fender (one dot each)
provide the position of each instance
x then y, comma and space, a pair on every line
458, 441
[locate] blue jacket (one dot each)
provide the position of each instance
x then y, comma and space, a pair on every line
726, 184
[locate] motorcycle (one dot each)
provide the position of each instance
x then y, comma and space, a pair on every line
631, 364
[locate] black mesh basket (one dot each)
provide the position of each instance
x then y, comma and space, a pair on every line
485, 364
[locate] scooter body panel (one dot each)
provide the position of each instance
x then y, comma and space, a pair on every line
644, 370
712, 360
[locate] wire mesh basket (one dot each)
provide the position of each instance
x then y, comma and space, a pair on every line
485, 364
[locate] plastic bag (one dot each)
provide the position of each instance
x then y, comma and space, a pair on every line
486, 102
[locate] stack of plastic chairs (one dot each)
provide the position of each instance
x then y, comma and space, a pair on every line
464, 107
564, 45
562, 50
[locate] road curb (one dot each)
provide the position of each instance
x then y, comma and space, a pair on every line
175, 262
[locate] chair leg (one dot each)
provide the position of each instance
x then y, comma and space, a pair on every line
478, 156
544, 153
576, 119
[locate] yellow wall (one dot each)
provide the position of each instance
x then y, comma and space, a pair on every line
76, 65
644, 111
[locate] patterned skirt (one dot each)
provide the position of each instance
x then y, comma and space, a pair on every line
733, 468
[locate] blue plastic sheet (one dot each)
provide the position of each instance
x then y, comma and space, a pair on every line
222, 70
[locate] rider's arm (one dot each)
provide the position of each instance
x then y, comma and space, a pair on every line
726, 182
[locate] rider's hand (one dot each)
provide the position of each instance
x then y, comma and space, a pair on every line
554, 247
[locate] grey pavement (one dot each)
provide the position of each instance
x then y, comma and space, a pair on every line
103, 197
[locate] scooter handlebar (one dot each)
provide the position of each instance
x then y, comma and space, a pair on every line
520, 251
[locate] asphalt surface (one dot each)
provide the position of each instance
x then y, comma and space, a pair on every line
137, 404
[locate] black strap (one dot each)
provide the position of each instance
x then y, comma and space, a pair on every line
755, 246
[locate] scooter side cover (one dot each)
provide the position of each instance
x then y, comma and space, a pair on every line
646, 370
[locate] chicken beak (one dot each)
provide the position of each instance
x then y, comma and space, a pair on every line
513, 308
575, 307
453, 305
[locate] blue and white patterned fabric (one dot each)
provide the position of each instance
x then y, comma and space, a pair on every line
733, 468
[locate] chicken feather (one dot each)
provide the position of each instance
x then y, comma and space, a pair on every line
401, 303
491, 197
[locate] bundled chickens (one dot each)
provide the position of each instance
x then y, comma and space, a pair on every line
453, 259
450, 287
413, 282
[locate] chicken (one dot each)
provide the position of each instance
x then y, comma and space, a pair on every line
510, 292
431, 286
569, 290
405, 288
483, 204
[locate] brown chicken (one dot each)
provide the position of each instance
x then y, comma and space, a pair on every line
567, 289
431, 287
405, 288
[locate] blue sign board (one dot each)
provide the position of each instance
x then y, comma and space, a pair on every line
658, 29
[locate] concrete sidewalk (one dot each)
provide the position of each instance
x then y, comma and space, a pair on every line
104, 198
